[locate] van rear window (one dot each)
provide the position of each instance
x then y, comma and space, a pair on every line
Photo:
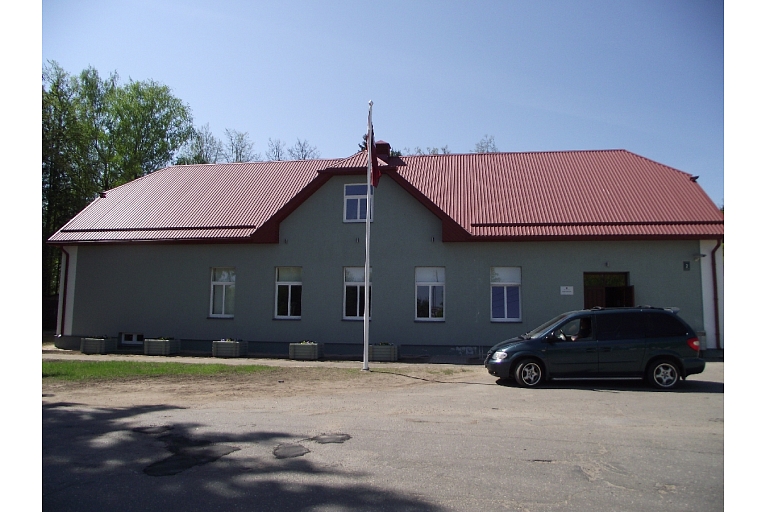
661, 325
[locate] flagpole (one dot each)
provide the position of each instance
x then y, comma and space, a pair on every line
366, 312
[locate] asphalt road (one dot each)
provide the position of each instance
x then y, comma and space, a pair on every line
474, 445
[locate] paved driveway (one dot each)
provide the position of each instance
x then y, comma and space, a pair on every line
466, 443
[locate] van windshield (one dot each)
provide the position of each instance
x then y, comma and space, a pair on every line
544, 328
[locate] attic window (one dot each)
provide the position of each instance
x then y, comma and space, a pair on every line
355, 202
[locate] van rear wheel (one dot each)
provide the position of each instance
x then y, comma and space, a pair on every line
663, 374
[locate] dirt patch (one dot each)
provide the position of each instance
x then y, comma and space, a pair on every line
280, 381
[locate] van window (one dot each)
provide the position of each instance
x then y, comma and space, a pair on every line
619, 326
662, 325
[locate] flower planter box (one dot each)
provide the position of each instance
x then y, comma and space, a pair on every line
382, 353
230, 348
154, 347
98, 345
306, 351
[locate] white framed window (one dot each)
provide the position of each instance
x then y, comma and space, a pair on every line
288, 292
222, 292
355, 202
430, 293
505, 294
354, 292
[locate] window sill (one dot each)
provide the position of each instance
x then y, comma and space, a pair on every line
429, 320
506, 320
286, 318
353, 319
221, 317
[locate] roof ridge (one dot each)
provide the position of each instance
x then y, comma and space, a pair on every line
524, 152
659, 163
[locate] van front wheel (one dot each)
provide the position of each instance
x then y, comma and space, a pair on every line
529, 373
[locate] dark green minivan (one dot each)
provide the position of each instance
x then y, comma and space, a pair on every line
614, 343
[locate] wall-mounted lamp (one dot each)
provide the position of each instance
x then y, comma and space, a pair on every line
433, 239
285, 240
697, 257
606, 264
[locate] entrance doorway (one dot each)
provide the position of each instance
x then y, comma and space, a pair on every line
608, 290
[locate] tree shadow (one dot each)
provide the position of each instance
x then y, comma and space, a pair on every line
97, 458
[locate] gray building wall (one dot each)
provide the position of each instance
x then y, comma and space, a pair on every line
164, 289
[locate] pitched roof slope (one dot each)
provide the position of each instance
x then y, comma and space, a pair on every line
193, 202
611, 193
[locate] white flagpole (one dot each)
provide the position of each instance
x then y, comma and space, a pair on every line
366, 311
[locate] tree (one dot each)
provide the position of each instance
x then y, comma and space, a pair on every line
97, 135
275, 149
66, 184
151, 126
303, 151
486, 145
417, 151
239, 147
202, 148
363, 146
94, 100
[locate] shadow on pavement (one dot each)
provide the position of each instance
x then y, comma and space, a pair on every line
686, 386
115, 459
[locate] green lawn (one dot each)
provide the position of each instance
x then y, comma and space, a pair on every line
92, 370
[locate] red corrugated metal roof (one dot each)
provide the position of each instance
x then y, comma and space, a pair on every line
612, 193
552, 195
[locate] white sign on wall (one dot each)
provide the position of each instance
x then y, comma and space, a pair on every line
566, 290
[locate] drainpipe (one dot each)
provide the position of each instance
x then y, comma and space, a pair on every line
714, 288
64, 298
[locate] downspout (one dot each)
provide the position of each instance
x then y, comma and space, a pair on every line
717, 301
66, 288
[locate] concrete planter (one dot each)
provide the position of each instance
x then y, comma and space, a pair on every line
382, 353
306, 351
230, 348
154, 347
98, 345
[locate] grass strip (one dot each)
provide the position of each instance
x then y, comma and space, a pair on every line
108, 370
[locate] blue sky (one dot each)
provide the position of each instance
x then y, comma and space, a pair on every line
646, 76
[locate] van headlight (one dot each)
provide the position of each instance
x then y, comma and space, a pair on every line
499, 355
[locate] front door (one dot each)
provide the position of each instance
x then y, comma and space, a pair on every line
608, 290
573, 350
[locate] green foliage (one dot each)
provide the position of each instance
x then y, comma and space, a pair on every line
150, 126
111, 370
97, 135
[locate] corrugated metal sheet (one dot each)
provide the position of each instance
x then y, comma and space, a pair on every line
564, 194
193, 201
567, 194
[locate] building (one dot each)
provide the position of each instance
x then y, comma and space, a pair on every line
466, 250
